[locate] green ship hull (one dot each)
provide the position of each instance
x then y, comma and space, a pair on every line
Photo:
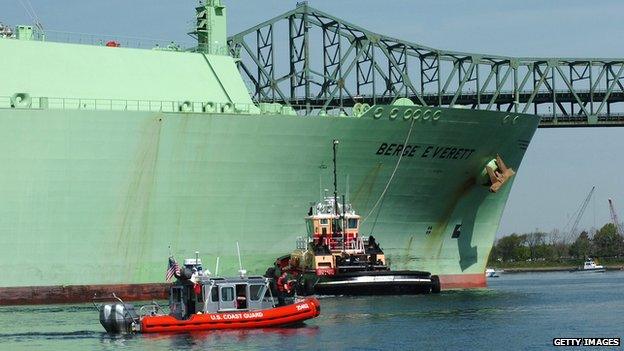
97, 197
113, 155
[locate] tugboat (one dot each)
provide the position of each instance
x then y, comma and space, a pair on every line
199, 302
333, 259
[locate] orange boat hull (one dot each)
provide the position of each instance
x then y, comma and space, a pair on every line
275, 317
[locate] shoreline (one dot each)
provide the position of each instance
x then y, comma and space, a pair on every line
549, 269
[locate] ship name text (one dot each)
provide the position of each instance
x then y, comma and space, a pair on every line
425, 151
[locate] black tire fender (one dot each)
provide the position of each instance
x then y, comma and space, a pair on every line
435, 284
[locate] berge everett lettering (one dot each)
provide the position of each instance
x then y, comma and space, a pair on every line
425, 151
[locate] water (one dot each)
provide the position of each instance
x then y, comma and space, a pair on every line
517, 311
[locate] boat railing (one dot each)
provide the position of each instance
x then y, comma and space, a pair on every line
302, 243
104, 39
346, 244
152, 309
24, 101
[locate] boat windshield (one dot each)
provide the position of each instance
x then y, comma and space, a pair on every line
214, 294
256, 292
227, 293
353, 223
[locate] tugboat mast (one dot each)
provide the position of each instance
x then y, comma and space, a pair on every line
335, 184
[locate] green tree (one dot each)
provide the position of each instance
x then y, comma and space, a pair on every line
581, 248
607, 242
534, 241
510, 247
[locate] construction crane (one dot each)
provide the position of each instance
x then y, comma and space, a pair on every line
614, 218
579, 213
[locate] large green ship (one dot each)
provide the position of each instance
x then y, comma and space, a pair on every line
113, 157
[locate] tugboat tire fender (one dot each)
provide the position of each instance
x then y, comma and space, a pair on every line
435, 284
309, 286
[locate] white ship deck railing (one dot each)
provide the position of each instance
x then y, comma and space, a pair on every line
63, 103
7, 102
102, 39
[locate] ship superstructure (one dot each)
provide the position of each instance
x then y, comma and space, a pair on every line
113, 154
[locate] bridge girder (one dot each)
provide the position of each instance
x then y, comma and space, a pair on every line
330, 65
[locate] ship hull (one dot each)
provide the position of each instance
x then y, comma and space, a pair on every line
102, 197
60, 294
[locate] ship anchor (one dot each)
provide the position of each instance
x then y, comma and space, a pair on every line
499, 173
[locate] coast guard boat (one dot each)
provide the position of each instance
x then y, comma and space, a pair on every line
199, 302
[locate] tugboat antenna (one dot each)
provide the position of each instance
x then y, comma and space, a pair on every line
335, 144
335, 180
320, 187
344, 222
347, 186
217, 268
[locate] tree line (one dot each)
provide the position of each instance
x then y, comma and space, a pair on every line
539, 246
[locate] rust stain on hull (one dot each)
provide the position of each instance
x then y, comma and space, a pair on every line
44, 295
134, 231
361, 196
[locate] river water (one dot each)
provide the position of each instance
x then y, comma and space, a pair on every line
517, 311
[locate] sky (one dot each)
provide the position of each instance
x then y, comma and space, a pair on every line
560, 166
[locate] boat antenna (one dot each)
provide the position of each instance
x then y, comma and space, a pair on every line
240, 265
241, 271
196, 257
335, 144
320, 186
347, 191
344, 222
217, 267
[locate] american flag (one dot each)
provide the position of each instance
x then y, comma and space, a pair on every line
174, 269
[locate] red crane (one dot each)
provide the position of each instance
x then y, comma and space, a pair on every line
614, 218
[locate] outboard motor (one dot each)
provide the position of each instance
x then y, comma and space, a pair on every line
119, 318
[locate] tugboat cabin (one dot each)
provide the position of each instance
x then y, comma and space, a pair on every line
333, 233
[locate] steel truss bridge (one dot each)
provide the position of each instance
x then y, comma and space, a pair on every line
318, 63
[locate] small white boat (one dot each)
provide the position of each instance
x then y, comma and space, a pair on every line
590, 266
491, 273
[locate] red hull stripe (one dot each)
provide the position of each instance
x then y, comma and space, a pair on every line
42, 295
463, 281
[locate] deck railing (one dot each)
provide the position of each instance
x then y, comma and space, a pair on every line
23, 101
